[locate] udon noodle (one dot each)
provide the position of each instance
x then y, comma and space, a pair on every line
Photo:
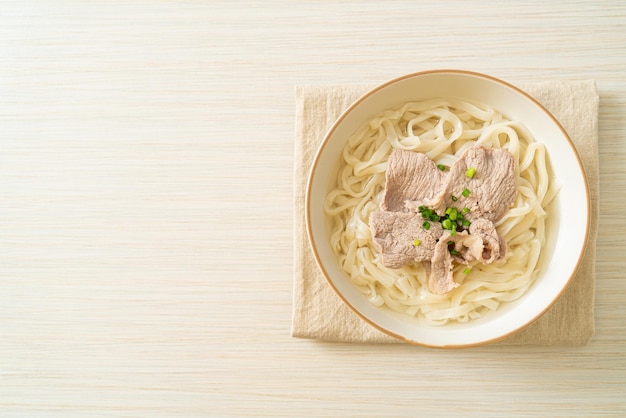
443, 130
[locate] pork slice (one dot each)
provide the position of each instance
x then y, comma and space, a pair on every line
493, 245
491, 190
411, 176
440, 279
482, 243
394, 235
467, 247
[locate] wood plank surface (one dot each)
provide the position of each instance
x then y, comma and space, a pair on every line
146, 160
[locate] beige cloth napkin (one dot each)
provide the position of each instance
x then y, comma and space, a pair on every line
319, 313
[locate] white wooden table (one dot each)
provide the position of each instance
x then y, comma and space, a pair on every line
146, 207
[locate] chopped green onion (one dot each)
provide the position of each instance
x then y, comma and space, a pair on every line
453, 232
441, 167
417, 242
446, 224
454, 198
450, 242
454, 252
466, 223
465, 193
426, 225
466, 270
453, 214
470, 172
428, 214
465, 210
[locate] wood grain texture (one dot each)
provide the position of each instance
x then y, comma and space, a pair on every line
146, 160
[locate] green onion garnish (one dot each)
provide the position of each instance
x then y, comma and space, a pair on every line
441, 167
465, 210
466, 270
417, 242
428, 214
454, 198
470, 172
446, 224
465, 193
466, 223
426, 225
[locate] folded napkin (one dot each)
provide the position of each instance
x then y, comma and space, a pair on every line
319, 313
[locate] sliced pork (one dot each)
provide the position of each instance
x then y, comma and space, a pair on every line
481, 243
395, 235
494, 246
480, 185
411, 176
490, 190
440, 280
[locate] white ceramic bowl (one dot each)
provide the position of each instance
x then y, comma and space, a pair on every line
561, 255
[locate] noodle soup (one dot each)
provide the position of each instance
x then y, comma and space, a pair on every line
442, 129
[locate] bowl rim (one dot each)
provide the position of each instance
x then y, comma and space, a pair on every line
357, 102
